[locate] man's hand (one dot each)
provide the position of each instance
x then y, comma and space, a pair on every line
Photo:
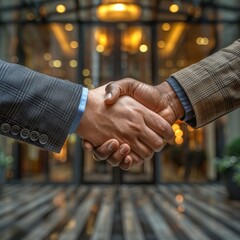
127, 121
116, 156
160, 99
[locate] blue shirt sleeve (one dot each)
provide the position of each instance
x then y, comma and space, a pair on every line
80, 111
189, 112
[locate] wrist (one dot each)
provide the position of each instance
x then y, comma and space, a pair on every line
173, 103
86, 122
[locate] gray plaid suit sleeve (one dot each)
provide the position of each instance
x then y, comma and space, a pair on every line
36, 108
213, 84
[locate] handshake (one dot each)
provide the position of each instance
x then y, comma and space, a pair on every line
126, 121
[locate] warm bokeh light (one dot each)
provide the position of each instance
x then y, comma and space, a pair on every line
86, 72
62, 156
71, 224
179, 140
47, 56
87, 81
173, 38
74, 44
143, 48
91, 86
161, 44
181, 209
102, 39
72, 138
57, 63
178, 133
166, 27
100, 48
68, 27
60, 8
190, 129
73, 63
179, 198
111, 12
59, 200
174, 8
202, 41
131, 40
175, 127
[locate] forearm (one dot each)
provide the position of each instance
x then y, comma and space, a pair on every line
213, 84
36, 108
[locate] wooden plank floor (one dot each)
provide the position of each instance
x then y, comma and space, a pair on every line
135, 212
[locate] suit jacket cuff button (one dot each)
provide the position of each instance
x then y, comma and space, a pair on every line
15, 130
25, 133
43, 139
5, 128
34, 136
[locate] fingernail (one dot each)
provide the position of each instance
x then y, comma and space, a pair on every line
112, 146
123, 150
126, 161
109, 95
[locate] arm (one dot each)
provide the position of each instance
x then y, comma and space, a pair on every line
212, 87
127, 121
40, 110
213, 84
36, 108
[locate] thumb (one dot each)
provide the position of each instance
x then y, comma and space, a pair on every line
119, 88
113, 92
87, 146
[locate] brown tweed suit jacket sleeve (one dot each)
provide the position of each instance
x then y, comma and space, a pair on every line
213, 84
36, 108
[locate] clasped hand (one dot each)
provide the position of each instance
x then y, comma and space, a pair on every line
121, 129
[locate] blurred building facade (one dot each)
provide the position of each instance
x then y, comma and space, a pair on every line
94, 42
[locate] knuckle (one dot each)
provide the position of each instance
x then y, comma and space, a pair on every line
135, 127
148, 154
113, 162
100, 155
158, 144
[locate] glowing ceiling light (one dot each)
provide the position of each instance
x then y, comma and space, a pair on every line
143, 48
174, 8
114, 11
60, 8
